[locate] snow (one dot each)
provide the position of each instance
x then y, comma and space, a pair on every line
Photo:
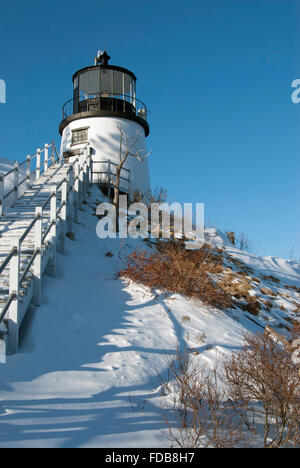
87, 371
288, 270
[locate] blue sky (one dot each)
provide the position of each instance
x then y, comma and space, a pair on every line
216, 76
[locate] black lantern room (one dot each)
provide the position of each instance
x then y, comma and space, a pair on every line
104, 90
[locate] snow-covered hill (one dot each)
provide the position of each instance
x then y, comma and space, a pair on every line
86, 374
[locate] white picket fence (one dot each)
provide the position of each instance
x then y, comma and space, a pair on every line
65, 200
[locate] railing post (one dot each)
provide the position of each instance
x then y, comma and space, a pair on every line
28, 174
46, 156
85, 180
1, 196
13, 314
52, 156
86, 174
37, 266
38, 164
76, 190
71, 200
53, 232
81, 177
61, 159
89, 168
16, 180
129, 185
109, 179
63, 215
53, 216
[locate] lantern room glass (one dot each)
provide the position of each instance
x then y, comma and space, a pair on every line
105, 82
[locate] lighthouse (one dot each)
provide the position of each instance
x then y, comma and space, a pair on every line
106, 116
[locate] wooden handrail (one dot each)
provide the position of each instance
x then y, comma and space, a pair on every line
74, 190
41, 168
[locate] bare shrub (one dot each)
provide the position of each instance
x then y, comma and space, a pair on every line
175, 269
243, 243
157, 195
231, 237
127, 148
252, 400
137, 196
240, 241
264, 387
203, 419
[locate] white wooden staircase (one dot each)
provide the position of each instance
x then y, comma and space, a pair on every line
33, 228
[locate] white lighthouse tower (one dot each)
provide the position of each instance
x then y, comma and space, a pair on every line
104, 106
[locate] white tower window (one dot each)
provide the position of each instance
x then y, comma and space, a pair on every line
80, 135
